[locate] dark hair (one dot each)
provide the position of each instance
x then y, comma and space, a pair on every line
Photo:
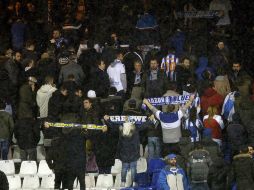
118, 52
206, 74
244, 149
112, 90
71, 77
30, 43
183, 58
2, 104
63, 87
89, 99
132, 103
172, 86
171, 107
48, 79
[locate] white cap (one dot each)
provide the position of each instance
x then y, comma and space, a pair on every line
91, 94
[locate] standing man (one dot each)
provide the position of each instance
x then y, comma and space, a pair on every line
117, 75
6, 130
172, 176
154, 81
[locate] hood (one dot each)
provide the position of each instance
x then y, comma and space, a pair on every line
209, 92
116, 61
46, 89
220, 78
241, 156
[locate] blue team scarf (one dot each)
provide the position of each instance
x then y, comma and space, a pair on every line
167, 100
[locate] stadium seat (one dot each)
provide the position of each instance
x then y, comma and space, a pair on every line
141, 150
48, 182
16, 154
155, 165
141, 165
142, 179
14, 182
116, 169
43, 169
117, 183
28, 168
7, 166
89, 181
31, 182
104, 181
40, 153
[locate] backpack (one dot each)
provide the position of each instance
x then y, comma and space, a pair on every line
199, 162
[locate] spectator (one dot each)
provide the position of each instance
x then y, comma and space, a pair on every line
6, 131
88, 114
236, 134
70, 67
27, 99
44, 94
211, 98
170, 124
242, 170
135, 77
18, 31
171, 91
3, 181
70, 84
214, 122
217, 176
117, 75
183, 73
221, 82
29, 51
57, 42
100, 80
154, 81
198, 167
172, 176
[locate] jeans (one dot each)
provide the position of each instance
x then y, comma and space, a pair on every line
125, 167
4, 147
28, 154
199, 186
154, 147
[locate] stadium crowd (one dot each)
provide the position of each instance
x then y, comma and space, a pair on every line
83, 62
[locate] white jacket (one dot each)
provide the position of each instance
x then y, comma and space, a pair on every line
42, 98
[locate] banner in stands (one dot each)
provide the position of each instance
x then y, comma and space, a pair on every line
119, 119
198, 14
76, 125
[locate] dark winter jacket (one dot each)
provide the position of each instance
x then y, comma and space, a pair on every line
89, 116
217, 176
212, 147
56, 155
3, 181
46, 67
131, 80
14, 69
129, 146
242, 172
154, 88
182, 76
100, 83
27, 102
6, 125
236, 135
27, 133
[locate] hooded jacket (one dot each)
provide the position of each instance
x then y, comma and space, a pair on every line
42, 98
172, 179
221, 85
211, 98
243, 172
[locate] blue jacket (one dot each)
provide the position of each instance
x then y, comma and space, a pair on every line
172, 178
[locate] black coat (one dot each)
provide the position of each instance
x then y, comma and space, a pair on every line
100, 83
3, 181
242, 172
217, 176
27, 133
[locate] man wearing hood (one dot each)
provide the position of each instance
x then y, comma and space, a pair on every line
44, 94
211, 98
117, 75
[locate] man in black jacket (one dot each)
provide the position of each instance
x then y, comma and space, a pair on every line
100, 79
